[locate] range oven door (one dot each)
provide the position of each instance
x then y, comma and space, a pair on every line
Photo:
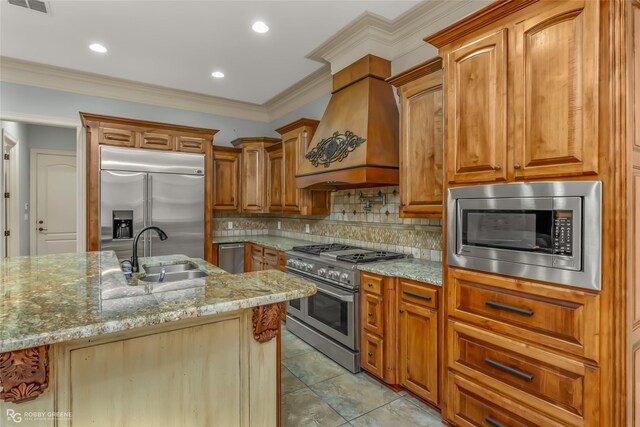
296, 308
333, 311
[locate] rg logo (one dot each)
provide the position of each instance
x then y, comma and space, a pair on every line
14, 416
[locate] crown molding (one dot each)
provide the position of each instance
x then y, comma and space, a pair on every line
390, 39
312, 87
63, 79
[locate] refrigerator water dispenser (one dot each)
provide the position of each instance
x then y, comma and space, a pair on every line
123, 224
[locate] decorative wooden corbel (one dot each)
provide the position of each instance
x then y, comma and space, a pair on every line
266, 321
24, 374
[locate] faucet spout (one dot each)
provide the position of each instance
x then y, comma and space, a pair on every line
134, 258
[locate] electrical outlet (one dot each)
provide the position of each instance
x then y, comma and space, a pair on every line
307, 228
230, 225
279, 225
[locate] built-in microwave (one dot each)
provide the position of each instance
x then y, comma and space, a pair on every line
548, 231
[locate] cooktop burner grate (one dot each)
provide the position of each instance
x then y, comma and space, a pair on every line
369, 257
318, 249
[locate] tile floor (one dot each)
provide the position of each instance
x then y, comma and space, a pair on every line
316, 391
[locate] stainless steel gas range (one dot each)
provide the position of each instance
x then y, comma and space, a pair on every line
330, 319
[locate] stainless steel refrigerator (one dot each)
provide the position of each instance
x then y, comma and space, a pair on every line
144, 187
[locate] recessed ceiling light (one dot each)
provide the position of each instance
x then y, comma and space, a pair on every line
260, 27
218, 74
97, 47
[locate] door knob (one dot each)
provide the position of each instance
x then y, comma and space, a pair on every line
42, 229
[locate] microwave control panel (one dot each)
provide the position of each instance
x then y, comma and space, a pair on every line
563, 233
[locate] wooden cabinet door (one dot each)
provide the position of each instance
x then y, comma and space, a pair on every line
372, 354
421, 147
253, 182
226, 174
156, 141
191, 144
119, 137
418, 350
476, 146
292, 197
372, 313
275, 188
555, 83
257, 263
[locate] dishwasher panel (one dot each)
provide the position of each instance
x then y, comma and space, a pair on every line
231, 257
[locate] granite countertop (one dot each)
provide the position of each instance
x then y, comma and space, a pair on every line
275, 242
56, 298
408, 268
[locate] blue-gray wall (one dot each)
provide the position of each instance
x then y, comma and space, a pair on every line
30, 137
25, 99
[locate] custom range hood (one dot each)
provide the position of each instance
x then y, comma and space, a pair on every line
356, 143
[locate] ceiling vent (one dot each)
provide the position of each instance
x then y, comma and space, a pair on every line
36, 5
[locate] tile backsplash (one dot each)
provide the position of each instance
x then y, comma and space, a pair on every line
367, 217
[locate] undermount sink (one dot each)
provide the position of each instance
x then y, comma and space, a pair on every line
175, 268
175, 276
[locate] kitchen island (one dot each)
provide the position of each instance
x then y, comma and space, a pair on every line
81, 344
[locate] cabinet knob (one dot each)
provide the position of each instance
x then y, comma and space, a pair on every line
401, 311
370, 314
497, 167
404, 204
370, 285
370, 354
516, 166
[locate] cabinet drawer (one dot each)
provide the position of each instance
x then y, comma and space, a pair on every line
372, 350
271, 253
372, 313
257, 250
551, 383
371, 283
117, 137
418, 293
472, 405
191, 144
156, 141
556, 317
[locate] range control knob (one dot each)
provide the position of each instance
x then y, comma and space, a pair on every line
322, 271
308, 267
344, 277
334, 275
296, 264
289, 262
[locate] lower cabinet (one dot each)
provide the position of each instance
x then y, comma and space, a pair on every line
258, 258
418, 349
400, 333
520, 353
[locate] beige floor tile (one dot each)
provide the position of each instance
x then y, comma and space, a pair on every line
399, 413
303, 408
353, 395
313, 367
289, 382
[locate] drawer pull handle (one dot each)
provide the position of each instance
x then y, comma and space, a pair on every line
493, 422
512, 309
412, 294
509, 370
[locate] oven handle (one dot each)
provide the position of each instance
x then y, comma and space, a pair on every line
345, 298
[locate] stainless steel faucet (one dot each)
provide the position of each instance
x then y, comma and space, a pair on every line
134, 258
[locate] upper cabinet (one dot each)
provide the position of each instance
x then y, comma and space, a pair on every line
296, 137
520, 99
477, 110
275, 179
226, 176
253, 183
554, 84
421, 140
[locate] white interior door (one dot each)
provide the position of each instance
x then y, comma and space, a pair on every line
54, 212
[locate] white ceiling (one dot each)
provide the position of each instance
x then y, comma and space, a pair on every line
178, 44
